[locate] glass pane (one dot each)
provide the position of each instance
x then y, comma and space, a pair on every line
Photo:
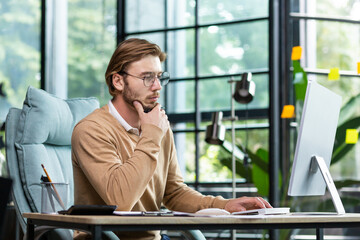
321, 36
232, 48
91, 42
157, 38
215, 94
189, 125
211, 11
185, 147
181, 97
337, 34
181, 53
214, 160
331, 8
144, 15
19, 51
180, 13
338, 8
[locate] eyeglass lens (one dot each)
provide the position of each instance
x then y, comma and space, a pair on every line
163, 78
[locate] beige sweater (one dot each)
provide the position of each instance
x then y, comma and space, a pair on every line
139, 173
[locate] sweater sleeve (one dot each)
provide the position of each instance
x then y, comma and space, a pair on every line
117, 182
179, 196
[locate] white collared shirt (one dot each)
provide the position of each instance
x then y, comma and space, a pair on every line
121, 120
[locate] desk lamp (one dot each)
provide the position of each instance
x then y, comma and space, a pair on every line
244, 89
215, 133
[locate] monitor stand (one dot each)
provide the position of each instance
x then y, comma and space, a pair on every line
319, 163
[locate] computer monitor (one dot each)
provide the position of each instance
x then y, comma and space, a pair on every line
310, 171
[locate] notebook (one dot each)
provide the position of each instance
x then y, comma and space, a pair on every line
265, 211
260, 211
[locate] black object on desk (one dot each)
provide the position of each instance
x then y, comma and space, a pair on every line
5, 189
89, 210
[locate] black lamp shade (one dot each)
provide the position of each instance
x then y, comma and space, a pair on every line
215, 133
244, 89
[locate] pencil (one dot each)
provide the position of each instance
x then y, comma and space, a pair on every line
56, 192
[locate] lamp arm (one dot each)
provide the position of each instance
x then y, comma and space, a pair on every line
237, 151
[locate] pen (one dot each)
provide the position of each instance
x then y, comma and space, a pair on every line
56, 192
48, 189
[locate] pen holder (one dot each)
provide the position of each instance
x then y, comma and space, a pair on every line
54, 197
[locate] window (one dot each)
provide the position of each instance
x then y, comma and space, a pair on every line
20, 56
329, 33
19, 51
207, 43
323, 28
91, 42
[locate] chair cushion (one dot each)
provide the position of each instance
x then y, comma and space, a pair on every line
44, 137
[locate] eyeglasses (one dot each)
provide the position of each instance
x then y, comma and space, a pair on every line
149, 78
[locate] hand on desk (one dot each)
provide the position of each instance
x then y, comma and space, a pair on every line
246, 203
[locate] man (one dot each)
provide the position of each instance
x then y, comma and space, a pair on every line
124, 153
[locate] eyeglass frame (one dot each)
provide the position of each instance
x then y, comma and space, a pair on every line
163, 80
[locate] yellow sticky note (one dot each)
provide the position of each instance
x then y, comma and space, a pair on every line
352, 136
288, 111
334, 74
358, 68
296, 53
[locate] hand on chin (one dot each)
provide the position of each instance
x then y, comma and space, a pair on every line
148, 107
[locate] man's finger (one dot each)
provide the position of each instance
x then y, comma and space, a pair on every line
139, 108
261, 204
158, 105
264, 202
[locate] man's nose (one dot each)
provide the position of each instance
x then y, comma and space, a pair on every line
156, 84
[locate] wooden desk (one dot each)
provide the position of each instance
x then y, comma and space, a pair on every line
97, 224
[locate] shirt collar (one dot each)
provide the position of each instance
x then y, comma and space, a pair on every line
121, 120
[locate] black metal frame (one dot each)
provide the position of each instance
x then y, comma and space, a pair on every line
42, 44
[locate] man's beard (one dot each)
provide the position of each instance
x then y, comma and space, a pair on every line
129, 96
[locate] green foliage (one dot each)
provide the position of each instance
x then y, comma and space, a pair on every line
341, 148
254, 172
300, 81
19, 50
211, 167
91, 43
260, 169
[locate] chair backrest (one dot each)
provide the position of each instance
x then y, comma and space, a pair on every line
40, 133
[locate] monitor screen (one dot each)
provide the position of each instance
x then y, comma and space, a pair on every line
316, 137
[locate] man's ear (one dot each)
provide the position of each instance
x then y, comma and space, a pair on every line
118, 82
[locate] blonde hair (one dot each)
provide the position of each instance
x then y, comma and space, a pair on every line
128, 51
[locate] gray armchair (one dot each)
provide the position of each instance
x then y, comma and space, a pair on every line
40, 133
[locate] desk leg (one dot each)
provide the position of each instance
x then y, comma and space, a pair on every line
30, 228
96, 232
320, 234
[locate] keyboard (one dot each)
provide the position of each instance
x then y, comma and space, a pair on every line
265, 211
